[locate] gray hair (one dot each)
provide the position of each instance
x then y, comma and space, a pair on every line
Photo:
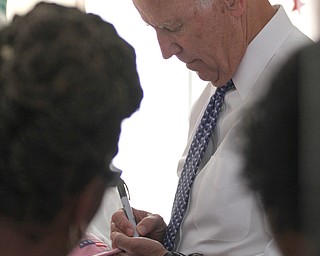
203, 4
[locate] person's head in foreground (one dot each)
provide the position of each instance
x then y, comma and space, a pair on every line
67, 81
283, 153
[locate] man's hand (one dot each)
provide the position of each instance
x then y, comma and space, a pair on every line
137, 246
148, 225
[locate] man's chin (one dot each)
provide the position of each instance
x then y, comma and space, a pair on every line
203, 72
205, 77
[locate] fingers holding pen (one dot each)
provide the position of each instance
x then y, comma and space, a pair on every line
120, 223
152, 226
137, 245
148, 225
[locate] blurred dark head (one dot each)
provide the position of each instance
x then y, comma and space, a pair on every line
67, 82
282, 163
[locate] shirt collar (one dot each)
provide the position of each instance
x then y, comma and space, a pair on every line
260, 51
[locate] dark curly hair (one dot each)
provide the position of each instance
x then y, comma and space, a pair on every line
67, 81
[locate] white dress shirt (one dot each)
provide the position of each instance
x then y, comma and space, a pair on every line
224, 217
100, 224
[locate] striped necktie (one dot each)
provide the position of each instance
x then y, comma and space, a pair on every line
196, 151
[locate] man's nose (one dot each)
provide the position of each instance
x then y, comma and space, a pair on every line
168, 46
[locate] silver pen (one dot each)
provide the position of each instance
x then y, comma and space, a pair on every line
125, 201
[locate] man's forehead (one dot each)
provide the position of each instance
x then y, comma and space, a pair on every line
162, 13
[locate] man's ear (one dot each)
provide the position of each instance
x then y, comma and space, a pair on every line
236, 7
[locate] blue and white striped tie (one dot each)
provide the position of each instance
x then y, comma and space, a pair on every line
196, 151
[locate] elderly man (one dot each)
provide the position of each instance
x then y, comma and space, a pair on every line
236, 45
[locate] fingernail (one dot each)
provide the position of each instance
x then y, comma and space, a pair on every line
129, 232
141, 230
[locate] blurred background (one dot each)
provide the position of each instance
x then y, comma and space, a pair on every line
153, 139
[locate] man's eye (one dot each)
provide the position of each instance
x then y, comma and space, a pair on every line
173, 29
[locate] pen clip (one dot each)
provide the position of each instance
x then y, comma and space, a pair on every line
121, 185
123, 189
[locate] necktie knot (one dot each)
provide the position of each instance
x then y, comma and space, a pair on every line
196, 151
221, 91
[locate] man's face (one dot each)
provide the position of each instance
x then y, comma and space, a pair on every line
210, 41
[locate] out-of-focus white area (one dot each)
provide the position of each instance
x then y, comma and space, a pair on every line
22, 6
307, 18
153, 139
